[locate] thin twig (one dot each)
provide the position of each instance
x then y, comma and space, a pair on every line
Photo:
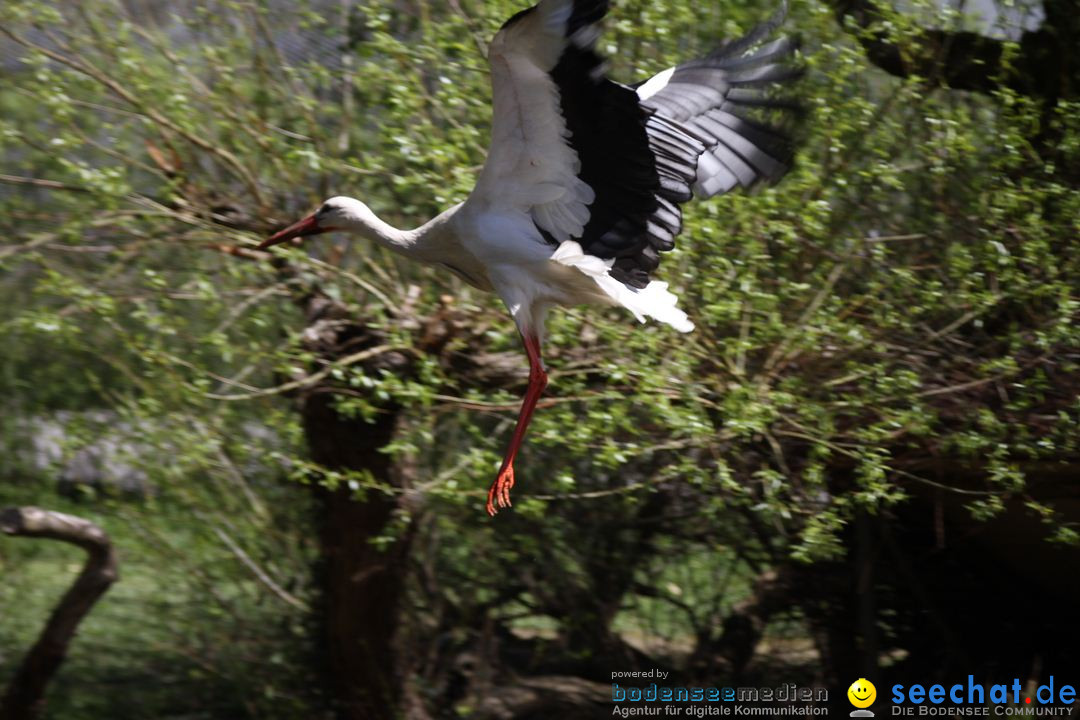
315, 377
38, 182
93, 72
476, 36
259, 573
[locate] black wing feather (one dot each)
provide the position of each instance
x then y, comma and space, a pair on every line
644, 158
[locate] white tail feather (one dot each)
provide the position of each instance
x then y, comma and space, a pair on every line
654, 300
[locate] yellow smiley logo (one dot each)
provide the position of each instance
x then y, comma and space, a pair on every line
862, 693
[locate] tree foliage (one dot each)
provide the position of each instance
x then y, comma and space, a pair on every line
895, 322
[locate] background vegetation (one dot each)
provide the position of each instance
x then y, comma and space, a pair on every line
862, 464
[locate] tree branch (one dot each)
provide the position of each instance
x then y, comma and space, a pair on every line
1040, 67
25, 696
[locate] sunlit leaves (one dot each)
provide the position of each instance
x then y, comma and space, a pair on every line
908, 291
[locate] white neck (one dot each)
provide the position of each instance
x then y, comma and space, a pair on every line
370, 226
424, 243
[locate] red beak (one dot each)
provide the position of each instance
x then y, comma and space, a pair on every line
302, 228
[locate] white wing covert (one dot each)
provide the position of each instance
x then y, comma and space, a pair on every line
530, 164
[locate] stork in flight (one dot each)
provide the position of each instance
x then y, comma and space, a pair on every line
584, 176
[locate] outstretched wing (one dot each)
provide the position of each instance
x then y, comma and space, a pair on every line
535, 160
606, 164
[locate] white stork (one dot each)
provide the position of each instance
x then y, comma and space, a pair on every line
584, 177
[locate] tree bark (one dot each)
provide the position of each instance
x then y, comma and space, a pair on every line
362, 582
25, 696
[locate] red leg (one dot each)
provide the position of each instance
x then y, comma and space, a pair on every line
499, 493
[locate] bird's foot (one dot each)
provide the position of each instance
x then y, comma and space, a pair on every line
499, 492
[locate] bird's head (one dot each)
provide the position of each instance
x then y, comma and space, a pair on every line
337, 213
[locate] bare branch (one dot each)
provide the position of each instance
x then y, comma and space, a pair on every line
259, 573
25, 696
40, 183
